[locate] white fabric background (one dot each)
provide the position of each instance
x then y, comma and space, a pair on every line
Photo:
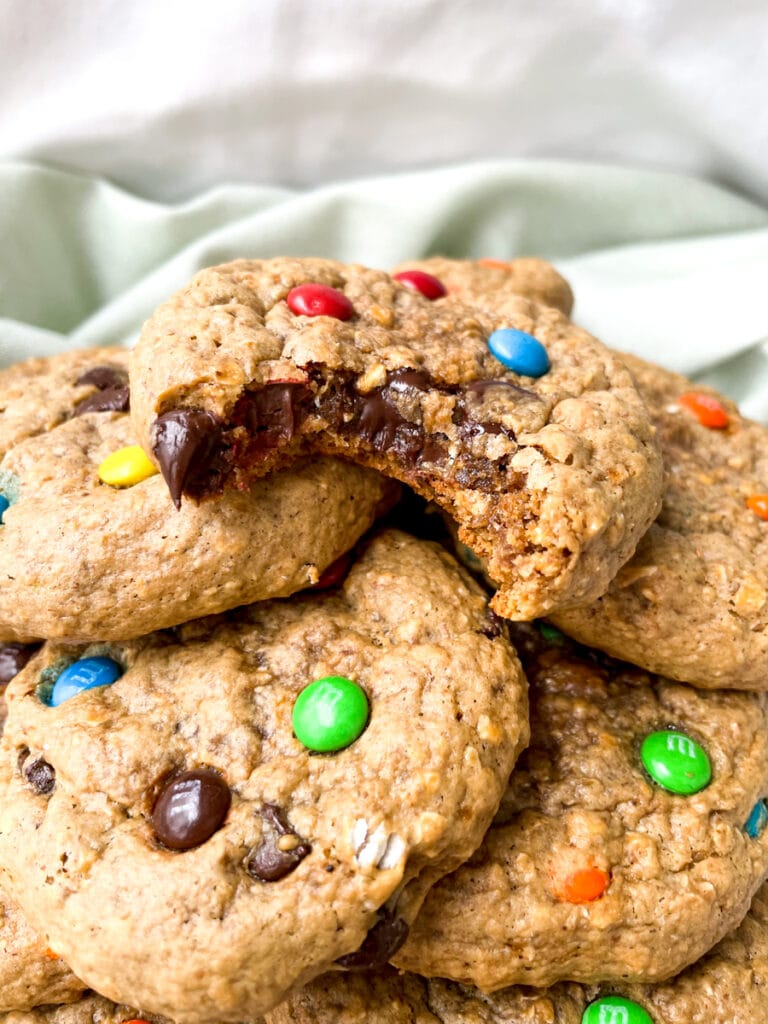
169, 98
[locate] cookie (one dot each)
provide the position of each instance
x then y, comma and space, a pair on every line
727, 986
30, 972
93, 549
261, 794
91, 1009
485, 282
544, 455
629, 840
693, 601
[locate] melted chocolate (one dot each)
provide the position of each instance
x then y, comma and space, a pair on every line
185, 440
381, 943
196, 452
13, 658
268, 863
190, 808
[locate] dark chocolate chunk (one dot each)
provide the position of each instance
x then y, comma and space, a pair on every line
190, 808
104, 377
269, 863
494, 624
273, 414
13, 658
117, 399
381, 943
39, 774
403, 380
184, 441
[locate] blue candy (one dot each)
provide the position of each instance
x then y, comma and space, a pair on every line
757, 820
4, 506
85, 674
519, 351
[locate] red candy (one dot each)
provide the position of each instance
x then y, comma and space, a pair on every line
758, 503
707, 410
335, 573
319, 300
418, 280
583, 886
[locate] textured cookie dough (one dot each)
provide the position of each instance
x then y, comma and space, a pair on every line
91, 1009
678, 871
553, 480
727, 986
487, 282
693, 601
369, 827
30, 972
82, 560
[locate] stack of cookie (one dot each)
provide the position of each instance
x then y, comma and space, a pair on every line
269, 753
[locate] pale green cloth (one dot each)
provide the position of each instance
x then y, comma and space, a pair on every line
670, 267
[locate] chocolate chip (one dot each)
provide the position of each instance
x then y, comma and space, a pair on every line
39, 774
115, 399
104, 377
494, 624
273, 414
268, 863
190, 808
404, 380
381, 943
13, 658
184, 440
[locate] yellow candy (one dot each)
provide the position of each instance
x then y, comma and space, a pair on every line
126, 467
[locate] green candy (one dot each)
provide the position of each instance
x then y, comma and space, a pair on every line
330, 713
549, 633
615, 1010
676, 762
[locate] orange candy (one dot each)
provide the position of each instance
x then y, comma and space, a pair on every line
758, 503
497, 264
51, 955
707, 410
584, 886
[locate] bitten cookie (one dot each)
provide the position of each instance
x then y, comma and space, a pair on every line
628, 842
91, 547
263, 794
727, 986
485, 282
521, 426
30, 972
693, 601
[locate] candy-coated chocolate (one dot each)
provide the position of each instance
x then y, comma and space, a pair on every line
330, 713
335, 572
550, 633
190, 808
615, 1010
519, 352
4, 506
319, 300
758, 503
85, 674
126, 467
707, 410
757, 820
584, 886
676, 762
428, 285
